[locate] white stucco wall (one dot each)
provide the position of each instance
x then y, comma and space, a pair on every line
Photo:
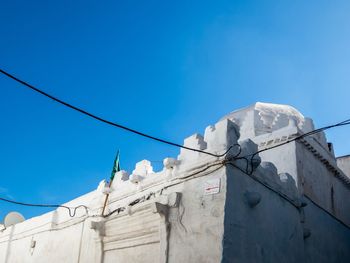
343, 163
201, 208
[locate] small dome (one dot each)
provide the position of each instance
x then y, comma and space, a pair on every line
261, 118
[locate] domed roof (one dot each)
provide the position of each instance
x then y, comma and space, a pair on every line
261, 118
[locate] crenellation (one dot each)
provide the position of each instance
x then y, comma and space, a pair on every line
289, 186
170, 165
267, 172
209, 135
220, 137
143, 168
308, 125
195, 141
135, 178
248, 147
250, 123
119, 179
198, 199
343, 163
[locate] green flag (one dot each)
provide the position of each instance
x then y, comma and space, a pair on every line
116, 166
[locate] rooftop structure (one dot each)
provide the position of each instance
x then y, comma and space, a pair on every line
286, 204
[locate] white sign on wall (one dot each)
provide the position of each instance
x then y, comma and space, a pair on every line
212, 186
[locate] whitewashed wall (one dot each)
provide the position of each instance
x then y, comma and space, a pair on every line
198, 209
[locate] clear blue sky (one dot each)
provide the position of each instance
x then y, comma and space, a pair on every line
168, 68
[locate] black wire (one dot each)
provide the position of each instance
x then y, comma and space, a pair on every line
235, 157
327, 212
284, 196
136, 201
105, 120
252, 155
71, 210
249, 172
343, 123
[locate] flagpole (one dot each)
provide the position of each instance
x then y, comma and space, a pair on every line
116, 168
106, 199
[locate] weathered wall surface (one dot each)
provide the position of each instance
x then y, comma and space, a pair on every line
197, 226
251, 232
195, 223
285, 159
270, 231
343, 163
310, 160
329, 240
321, 184
275, 230
203, 208
139, 234
62, 245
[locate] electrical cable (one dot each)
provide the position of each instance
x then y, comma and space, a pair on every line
343, 123
346, 122
284, 196
252, 155
105, 120
71, 210
227, 160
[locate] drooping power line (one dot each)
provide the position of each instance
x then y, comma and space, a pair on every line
227, 161
247, 171
91, 115
252, 155
71, 210
346, 122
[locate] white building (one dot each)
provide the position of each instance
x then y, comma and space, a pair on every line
293, 206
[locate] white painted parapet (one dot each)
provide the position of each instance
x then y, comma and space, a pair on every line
310, 160
195, 200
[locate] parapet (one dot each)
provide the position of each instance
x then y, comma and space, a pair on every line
262, 118
222, 141
268, 119
343, 163
233, 136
